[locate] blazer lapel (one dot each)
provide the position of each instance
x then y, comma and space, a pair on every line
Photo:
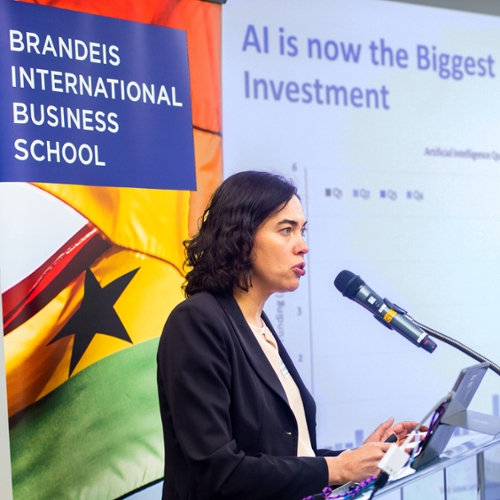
251, 346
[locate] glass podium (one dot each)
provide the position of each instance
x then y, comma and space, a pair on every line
460, 457
468, 471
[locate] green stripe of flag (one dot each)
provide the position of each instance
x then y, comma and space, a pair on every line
96, 437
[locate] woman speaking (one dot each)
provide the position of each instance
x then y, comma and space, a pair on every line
238, 421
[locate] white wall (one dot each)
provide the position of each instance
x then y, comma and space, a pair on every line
481, 6
5, 471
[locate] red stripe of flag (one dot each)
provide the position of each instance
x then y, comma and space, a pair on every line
34, 292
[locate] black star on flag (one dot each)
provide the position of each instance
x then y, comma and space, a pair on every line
95, 315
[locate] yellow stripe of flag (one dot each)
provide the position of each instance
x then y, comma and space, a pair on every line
34, 367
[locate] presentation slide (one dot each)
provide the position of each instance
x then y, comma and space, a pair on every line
386, 116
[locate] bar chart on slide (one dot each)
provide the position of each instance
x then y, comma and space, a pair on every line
410, 236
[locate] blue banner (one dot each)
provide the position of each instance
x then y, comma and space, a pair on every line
91, 100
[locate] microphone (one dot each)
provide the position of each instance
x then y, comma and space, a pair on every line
393, 317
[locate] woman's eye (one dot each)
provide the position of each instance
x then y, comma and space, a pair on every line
286, 230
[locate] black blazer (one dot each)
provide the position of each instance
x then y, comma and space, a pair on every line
228, 429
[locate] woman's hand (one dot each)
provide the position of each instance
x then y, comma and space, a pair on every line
384, 430
357, 464
362, 462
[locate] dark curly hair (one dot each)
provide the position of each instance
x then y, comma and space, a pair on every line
219, 255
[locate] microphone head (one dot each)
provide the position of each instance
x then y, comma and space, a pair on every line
348, 284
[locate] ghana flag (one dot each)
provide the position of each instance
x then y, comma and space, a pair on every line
81, 330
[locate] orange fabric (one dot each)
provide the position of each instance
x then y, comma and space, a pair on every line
150, 221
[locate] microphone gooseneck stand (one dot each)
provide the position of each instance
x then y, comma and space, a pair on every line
489, 424
458, 345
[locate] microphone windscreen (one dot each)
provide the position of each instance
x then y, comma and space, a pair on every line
348, 283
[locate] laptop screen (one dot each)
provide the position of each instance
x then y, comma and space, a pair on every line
456, 401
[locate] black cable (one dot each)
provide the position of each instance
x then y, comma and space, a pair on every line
382, 477
380, 482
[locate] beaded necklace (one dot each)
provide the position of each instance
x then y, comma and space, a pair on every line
328, 492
